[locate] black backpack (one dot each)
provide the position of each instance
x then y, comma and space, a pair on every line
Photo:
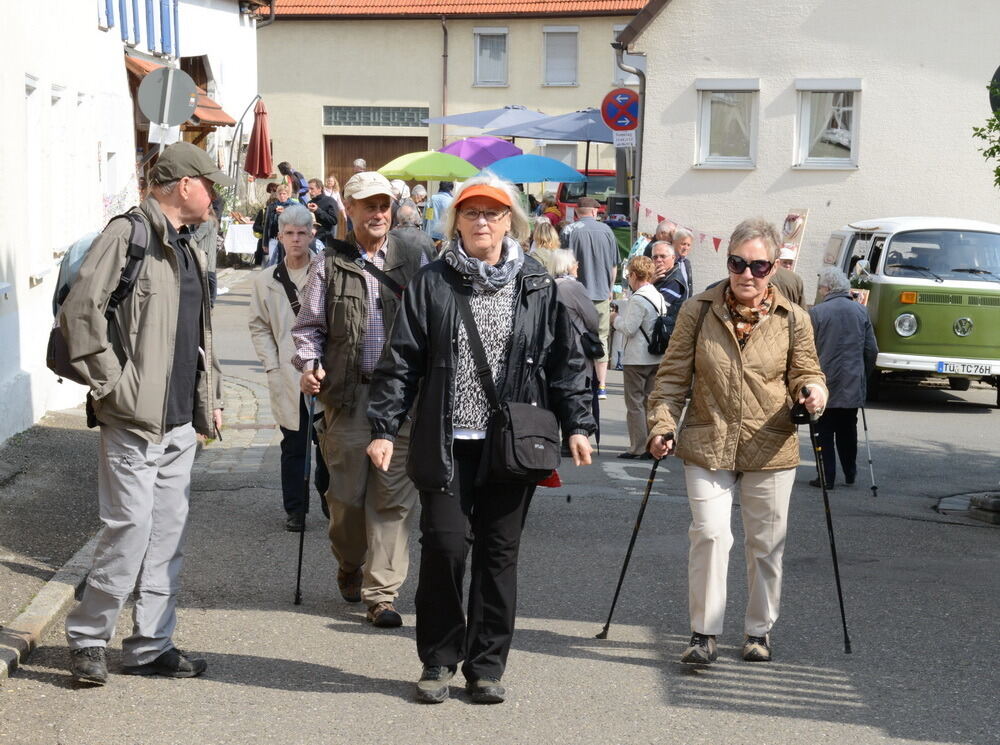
57, 354
663, 327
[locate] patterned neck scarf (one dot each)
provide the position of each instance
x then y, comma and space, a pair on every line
746, 319
485, 277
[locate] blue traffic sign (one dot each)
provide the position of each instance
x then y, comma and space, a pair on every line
620, 109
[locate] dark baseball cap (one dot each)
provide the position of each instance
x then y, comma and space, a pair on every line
588, 203
184, 159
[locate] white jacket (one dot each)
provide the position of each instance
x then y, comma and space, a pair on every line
271, 321
644, 306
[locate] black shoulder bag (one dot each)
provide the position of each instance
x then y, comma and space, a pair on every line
522, 440
281, 274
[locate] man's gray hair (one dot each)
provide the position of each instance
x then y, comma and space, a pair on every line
408, 216
418, 191
754, 228
360, 163
563, 261
520, 228
166, 187
295, 215
833, 279
682, 233
665, 244
667, 227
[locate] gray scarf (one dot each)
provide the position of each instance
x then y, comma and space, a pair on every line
484, 277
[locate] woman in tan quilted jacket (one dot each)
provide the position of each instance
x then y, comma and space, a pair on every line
745, 352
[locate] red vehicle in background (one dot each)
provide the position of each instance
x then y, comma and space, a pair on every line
600, 184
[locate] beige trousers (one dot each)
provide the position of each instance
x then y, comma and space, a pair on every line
638, 380
371, 511
764, 497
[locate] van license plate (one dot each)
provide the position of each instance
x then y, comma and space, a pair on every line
964, 368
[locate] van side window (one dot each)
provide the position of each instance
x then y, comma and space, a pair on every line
876, 253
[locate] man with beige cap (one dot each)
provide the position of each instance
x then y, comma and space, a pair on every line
154, 383
348, 308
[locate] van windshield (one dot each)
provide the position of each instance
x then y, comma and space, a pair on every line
598, 187
944, 254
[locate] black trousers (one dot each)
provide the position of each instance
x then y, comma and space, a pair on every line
839, 426
293, 464
488, 520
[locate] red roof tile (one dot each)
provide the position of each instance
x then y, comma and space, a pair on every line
434, 8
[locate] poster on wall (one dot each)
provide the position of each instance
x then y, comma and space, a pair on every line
792, 231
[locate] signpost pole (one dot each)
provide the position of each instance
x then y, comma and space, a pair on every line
163, 105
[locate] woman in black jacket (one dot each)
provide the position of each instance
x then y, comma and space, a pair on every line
534, 358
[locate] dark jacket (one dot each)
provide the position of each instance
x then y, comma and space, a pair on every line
846, 346
790, 285
325, 215
545, 366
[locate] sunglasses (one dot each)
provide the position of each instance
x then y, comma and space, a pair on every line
759, 268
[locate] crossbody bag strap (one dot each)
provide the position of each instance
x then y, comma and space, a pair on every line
641, 329
281, 274
478, 351
791, 342
394, 287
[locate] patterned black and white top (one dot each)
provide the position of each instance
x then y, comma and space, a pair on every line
494, 314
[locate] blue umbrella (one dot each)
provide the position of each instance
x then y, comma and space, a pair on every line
508, 116
585, 125
531, 169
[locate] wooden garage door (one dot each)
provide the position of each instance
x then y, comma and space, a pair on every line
341, 151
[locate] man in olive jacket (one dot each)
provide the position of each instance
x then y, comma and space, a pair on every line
154, 383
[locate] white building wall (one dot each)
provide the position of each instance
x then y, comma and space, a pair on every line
924, 67
68, 156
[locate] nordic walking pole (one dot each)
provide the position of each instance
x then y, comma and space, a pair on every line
871, 468
817, 448
631, 544
305, 490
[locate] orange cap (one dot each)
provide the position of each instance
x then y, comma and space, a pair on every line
484, 190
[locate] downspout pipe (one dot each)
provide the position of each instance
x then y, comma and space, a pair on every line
270, 17
444, 78
637, 168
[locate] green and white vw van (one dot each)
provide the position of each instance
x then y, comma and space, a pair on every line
932, 288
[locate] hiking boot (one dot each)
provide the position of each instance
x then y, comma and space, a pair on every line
757, 648
350, 585
89, 665
295, 522
485, 691
171, 664
701, 651
432, 688
384, 616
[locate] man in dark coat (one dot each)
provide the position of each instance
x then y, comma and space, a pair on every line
847, 350
324, 210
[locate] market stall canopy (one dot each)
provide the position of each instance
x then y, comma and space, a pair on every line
481, 151
585, 125
531, 169
429, 165
258, 162
207, 113
508, 116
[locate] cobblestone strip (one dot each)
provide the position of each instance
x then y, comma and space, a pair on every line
250, 437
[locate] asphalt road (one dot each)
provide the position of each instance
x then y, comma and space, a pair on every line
922, 591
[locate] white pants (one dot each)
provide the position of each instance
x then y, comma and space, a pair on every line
143, 499
764, 497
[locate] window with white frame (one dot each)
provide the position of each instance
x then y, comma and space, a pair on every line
727, 122
560, 55
828, 123
638, 61
491, 56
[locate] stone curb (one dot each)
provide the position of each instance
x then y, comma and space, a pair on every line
23, 634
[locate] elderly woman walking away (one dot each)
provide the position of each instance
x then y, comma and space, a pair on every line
533, 358
636, 324
750, 354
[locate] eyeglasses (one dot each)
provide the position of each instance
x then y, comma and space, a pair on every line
759, 268
491, 215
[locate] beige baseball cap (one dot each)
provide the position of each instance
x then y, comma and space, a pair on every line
367, 184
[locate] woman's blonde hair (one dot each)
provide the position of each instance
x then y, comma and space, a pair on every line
641, 268
753, 228
520, 228
545, 235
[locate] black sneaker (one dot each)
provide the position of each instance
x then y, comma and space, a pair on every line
485, 691
89, 665
171, 664
701, 651
432, 688
295, 522
757, 648
819, 485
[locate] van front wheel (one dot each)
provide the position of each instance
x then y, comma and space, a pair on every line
959, 384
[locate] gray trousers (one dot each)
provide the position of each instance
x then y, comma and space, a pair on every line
143, 492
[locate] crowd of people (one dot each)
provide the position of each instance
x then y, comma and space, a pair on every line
416, 331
